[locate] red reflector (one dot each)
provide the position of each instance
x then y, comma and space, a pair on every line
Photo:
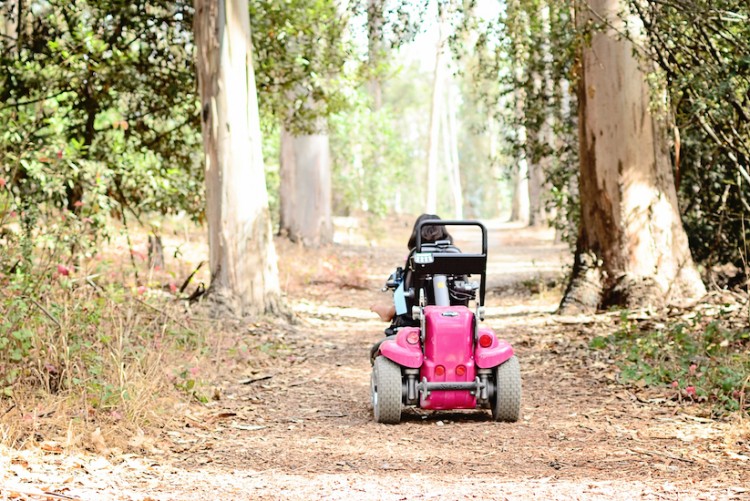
485, 340
460, 370
439, 370
412, 337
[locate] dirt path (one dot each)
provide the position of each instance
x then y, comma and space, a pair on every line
298, 424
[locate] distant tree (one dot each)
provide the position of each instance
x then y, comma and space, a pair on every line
376, 51
305, 187
242, 256
632, 249
433, 139
301, 51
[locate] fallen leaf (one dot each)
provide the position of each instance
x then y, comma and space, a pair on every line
223, 415
53, 447
97, 440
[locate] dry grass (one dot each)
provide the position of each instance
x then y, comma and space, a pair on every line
95, 361
105, 345
111, 353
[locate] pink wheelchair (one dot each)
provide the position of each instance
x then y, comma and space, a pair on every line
449, 361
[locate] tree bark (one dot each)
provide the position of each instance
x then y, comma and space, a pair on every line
375, 50
434, 137
632, 248
305, 170
535, 183
287, 170
520, 204
244, 275
452, 133
10, 17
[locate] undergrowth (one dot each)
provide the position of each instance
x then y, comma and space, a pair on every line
76, 355
703, 357
89, 355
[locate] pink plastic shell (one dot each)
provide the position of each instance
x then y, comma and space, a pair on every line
400, 351
495, 354
448, 342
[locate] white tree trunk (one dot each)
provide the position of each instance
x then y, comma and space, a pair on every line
632, 248
520, 207
545, 138
306, 188
375, 50
287, 171
455, 170
434, 137
9, 22
535, 184
242, 257
492, 131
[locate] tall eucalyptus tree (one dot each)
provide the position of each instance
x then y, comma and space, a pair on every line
242, 256
632, 249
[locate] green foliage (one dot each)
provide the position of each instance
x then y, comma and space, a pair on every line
522, 68
701, 48
100, 119
100, 97
62, 339
390, 23
186, 381
367, 173
300, 58
699, 359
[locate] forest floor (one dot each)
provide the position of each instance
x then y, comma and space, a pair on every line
290, 417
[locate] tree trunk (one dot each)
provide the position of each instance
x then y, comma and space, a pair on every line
535, 184
456, 187
375, 50
305, 170
287, 170
9, 22
434, 137
545, 136
520, 204
632, 250
244, 275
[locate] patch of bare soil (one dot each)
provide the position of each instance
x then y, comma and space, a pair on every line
294, 421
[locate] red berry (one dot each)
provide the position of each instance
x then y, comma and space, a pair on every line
63, 270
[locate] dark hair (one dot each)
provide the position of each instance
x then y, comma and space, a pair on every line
430, 233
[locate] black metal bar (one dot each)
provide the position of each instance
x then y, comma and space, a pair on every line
448, 222
483, 255
453, 264
448, 386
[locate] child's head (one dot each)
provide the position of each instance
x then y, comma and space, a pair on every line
430, 233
